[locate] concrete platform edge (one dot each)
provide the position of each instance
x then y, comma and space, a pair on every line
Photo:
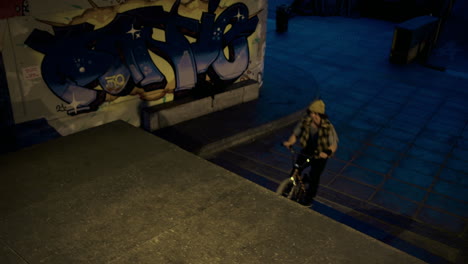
251, 134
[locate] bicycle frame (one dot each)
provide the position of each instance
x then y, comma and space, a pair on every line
298, 167
298, 189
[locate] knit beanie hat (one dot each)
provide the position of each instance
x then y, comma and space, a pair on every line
317, 106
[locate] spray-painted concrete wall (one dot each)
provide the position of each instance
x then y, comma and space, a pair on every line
79, 64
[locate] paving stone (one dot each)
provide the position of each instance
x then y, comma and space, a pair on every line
335, 165
437, 139
346, 141
367, 86
327, 177
419, 165
410, 119
349, 104
464, 134
413, 177
446, 204
441, 220
363, 175
252, 165
456, 105
411, 107
376, 119
247, 174
448, 115
349, 187
338, 118
416, 111
373, 163
427, 155
418, 105
399, 89
406, 126
263, 156
355, 96
345, 154
452, 176
382, 154
446, 137
453, 190
444, 126
341, 199
394, 203
9, 256
381, 106
361, 123
344, 81
396, 98
397, 134
376, 112
390, 143
428, 95
359, 134
374, 107
458, 165
344, 112
404, 190
462, 143
430, 144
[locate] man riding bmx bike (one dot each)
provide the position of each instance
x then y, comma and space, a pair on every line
319, 142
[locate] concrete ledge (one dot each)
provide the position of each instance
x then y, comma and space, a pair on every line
411, 38
227, 99
189, 110
207, 151
135, 198
251, 92
169, 114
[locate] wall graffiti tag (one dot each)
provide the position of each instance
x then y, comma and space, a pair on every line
117, 57
14, 8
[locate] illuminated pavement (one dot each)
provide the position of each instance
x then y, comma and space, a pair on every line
117, 194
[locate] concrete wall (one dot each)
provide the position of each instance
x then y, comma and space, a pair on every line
79, 64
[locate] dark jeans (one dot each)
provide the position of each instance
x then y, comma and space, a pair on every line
313, 177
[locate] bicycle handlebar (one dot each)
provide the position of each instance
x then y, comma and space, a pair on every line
294, 150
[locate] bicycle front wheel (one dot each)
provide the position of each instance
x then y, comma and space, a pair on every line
291, 191
285, 187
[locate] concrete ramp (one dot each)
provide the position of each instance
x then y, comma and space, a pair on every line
117, 194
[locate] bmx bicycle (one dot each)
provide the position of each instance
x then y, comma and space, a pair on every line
295, 187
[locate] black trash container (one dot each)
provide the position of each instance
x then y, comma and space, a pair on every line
282, 17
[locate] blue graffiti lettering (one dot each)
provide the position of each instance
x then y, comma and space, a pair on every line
117, 57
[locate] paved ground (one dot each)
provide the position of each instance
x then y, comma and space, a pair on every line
401, 169
131, 197
451, 51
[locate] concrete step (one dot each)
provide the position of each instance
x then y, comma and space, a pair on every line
220, 130
132, 197
190, 107
416, 245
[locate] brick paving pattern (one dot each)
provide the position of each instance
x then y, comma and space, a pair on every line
401, 166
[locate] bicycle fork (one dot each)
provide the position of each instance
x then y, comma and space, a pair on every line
295, 178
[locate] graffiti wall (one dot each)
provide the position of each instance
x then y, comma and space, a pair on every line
80, 64
13, 8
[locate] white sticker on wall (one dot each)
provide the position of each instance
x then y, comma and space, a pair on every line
31, 73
